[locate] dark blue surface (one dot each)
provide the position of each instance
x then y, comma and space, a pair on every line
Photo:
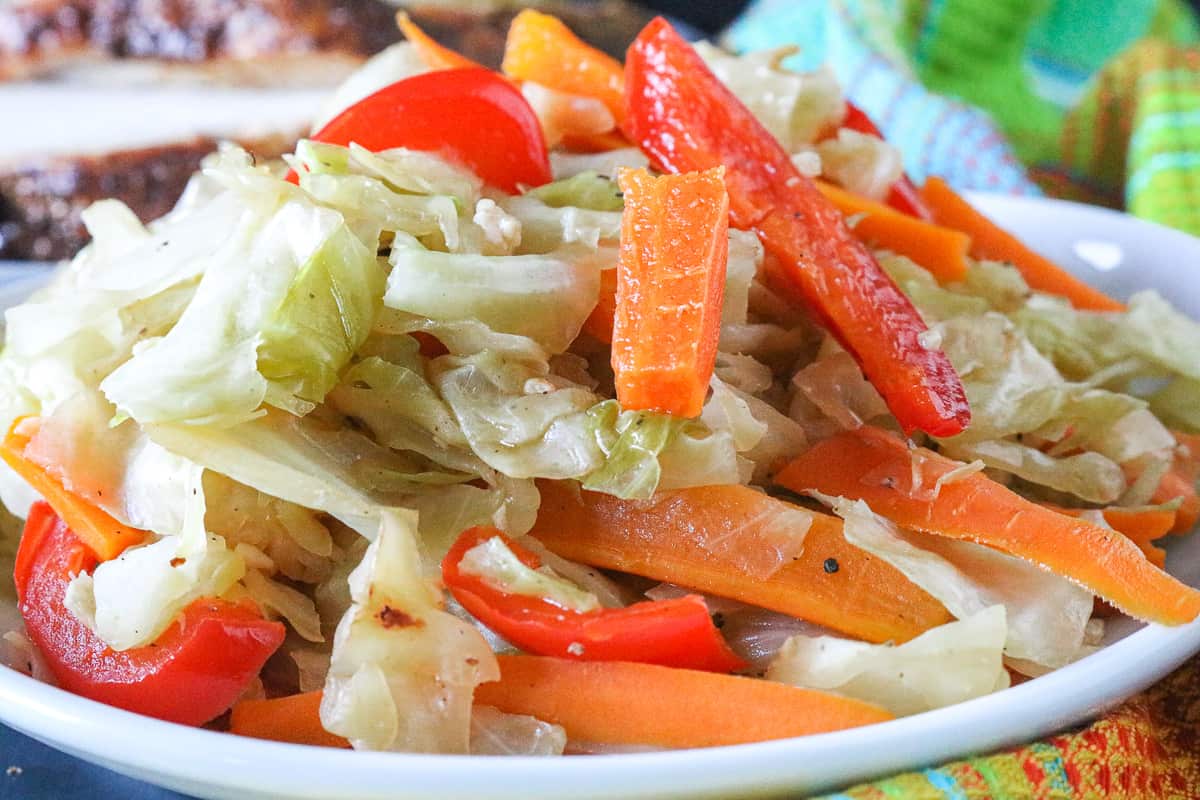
43, 773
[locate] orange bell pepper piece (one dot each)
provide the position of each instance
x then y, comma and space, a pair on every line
540, 48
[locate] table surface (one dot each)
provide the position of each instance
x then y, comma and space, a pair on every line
29, 770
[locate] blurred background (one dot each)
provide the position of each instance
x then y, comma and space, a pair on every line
1093, 100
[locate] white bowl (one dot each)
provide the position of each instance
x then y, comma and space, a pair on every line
1116, 252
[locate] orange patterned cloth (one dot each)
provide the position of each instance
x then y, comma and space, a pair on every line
1147, 749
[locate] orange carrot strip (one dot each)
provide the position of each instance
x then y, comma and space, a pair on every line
989, 241
872, 465
670, 538
107, 537
618, 702
295, 719
540, 48
1176, 486
940, 250
600, 322
610, 702
435, 55
670, 286
1180, 483
594, 142
1141, 525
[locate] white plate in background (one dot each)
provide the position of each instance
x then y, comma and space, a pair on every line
1111, 250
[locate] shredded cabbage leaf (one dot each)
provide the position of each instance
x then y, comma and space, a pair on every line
949, 664
1046, 614
795, 107
403, 670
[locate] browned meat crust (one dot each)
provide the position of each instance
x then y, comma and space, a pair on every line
41, 36
272, 38
41, 201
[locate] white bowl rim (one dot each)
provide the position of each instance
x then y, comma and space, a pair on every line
166, 753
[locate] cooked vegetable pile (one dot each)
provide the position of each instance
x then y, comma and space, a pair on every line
580, 407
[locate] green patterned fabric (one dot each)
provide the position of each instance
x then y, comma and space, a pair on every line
1099, 100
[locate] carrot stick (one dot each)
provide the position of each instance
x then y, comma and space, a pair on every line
670, 286
295, 719
1141, 525
435, 55
107, 537
594, 142
940, 250
1180, 483
540, 48
670, 538
618, 702
600, 322
989, 241
872, 465
609, 702
1176, 486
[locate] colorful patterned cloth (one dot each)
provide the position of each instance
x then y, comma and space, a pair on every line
1094, 100
1148, 749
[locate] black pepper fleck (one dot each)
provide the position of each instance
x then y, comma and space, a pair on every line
718, 620
831, 565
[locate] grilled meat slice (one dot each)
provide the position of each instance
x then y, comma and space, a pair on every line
243, 41
263, 42
41, 200
607, 24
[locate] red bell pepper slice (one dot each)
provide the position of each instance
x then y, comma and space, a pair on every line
473, 117
903, 196
685, 119
194, 671
672, 633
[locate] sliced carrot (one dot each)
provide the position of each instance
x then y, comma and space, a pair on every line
540, 48
704, 538
1141, 525
1176, 486
1179, 484
435, 55
609, 702
618, 702
594, 142
600, 322
107, 537
879, 468
940, 250
670, 286
990, 241
295, 719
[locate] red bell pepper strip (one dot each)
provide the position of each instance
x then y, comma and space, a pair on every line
471, 116
191, 674
903, 196
685, 119
673, 633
